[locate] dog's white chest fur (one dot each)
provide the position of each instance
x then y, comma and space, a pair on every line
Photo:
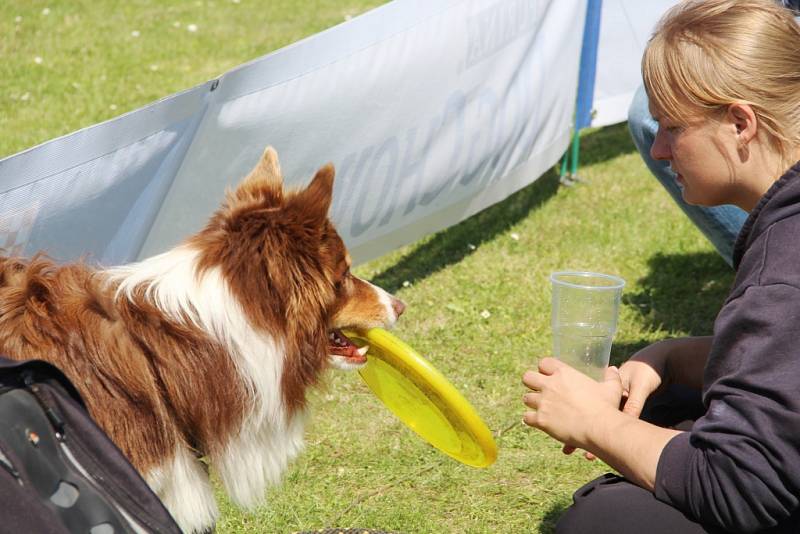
255, 456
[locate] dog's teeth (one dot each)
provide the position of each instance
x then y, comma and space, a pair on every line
330, 336
363, 350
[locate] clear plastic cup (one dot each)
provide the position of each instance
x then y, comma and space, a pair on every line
584, 318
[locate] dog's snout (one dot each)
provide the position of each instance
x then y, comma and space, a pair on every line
398, 306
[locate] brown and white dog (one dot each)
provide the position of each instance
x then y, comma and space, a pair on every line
208, 349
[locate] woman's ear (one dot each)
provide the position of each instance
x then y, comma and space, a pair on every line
743, 118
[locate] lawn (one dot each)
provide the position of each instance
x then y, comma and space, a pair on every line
361, 467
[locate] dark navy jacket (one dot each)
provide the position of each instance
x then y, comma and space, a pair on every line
739, 467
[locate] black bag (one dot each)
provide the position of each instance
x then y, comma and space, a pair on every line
59, 472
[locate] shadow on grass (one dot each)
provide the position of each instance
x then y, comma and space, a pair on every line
605, 144
621, 352
548, 524
451, 245
681, 293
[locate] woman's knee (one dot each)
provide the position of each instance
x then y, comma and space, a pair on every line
641, 125
591, 504
612, 504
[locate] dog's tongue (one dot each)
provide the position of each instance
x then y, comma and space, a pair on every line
340, 345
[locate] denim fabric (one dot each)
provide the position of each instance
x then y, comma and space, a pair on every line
720, 224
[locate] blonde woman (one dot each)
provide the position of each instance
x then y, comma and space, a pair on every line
720, 224
723, 81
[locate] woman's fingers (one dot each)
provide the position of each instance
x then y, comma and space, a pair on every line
569, 449
638, 382
531, 399
533, 380
529, 418
634, 402
547, 366
550, 365
611, 374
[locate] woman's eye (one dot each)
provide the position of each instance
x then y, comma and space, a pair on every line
671, 129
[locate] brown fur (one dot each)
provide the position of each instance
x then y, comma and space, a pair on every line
138, 372
153, 383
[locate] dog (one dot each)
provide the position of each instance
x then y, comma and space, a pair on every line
207, 350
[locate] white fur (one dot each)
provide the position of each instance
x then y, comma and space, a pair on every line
257, 457
172, 284
386, 300
185, 490
259, 452
347, 364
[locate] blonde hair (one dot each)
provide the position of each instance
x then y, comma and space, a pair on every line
708, 54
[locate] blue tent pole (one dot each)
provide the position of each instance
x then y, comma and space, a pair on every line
586, 79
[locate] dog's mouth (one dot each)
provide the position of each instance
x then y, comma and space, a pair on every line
340, 347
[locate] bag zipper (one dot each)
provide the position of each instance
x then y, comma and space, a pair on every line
59, 424
6, 464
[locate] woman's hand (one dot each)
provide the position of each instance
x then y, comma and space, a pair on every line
643, 374
672, 361
567, 404
580, 412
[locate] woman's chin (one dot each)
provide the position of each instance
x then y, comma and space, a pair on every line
687, 197
700, 202
691, 199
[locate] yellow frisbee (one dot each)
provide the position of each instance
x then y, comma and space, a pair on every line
422, 398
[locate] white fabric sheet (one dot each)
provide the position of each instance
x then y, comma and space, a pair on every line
429, 110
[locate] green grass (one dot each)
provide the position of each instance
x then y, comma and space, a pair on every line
94, 68
362, 467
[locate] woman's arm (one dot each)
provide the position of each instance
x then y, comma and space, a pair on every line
687, 359
739, 468
636, 455
583, 413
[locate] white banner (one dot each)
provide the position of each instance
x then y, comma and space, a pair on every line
625, 28
429, 110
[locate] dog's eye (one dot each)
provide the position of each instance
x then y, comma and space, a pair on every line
342, 279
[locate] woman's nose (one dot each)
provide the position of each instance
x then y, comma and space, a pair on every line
660, 148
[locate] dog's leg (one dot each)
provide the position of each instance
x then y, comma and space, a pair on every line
183, 485
257, 457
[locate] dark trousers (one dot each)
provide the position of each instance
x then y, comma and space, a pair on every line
613, 505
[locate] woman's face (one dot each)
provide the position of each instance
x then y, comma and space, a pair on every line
702, 157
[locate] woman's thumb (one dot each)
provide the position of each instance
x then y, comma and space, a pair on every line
634, 402
611, 374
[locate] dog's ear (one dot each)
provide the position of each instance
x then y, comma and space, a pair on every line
315, 200
265, 182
